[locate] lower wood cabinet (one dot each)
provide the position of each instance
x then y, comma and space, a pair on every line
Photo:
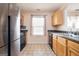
54, 43
72, 52
61, 47
65, 47
73, 48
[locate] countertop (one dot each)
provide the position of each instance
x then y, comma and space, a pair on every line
68, 36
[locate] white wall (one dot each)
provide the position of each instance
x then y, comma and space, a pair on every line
37, 39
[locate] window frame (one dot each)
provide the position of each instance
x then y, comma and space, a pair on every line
44, 25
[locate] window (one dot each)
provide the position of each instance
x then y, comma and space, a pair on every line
70, 21
38, 25
77, 22
73, 21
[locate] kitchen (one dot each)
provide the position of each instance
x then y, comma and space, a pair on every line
44, 29
61, 28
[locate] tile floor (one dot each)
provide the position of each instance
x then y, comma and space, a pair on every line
37, 50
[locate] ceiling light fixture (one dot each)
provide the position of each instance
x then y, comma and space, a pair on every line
38, 9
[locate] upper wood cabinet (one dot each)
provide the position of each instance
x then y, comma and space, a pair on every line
58, 18
22, 19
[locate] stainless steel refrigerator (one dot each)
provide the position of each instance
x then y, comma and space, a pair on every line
3, 29
15, 33
9, 30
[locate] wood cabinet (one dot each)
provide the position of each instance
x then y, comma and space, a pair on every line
73, 48
72, 52
61, 47
65, 47
22, 19
54, 43
57, 18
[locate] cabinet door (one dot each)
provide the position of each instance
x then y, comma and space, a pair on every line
72, 52
54, 43
58, 17
54, 22
22, 19
61, 47
73, 48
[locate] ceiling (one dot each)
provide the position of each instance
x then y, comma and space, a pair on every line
73, 7
39, 6
45, 7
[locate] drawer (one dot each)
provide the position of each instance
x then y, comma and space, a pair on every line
62, 41
73, 45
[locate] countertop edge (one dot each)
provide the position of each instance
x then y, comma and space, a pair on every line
69, 38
